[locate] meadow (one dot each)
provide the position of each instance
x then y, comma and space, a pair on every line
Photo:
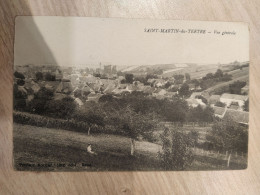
46, 149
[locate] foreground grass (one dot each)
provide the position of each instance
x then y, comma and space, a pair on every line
43, 146
44, 149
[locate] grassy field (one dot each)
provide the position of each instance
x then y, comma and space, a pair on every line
39, 149
220, 85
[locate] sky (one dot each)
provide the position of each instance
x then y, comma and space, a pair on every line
79, 41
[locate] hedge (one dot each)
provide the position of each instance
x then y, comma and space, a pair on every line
71, 124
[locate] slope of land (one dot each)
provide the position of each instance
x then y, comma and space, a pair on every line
39, 149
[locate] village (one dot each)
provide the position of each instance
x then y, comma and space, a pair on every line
88, 84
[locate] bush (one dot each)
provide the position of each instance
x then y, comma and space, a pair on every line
228, 135
20, 82
235, 88
42, 121
177, 154
19, 75
71, 125
63, 108
50, 77
19, 104
39, 76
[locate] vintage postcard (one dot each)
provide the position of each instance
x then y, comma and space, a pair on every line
110, 94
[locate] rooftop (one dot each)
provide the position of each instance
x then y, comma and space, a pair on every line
234, 96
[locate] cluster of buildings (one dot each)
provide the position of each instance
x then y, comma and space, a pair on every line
86, 84
225, 105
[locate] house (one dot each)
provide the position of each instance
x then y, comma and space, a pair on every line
64, 87
195, 94
78, 102
58, 74
214, 99
192, 86
148, 90
204, 94
159, 82
95, 86
94, 97
245, 89
109, 89
150, 81
31, 86
235, 106
59, 96
106, 82
131, 88
118, 91
159, 92
240, 117
90, 79
170, 94
195, 102
229, 98
219, 111
86, 89
121, 86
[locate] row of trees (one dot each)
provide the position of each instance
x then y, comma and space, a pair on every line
48, 76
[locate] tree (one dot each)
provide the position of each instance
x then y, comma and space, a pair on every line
167, 85
20, 82
226, 77
44, 93
178, 78
134, 125
50, 77
246, 105
20, 97
195, 82
235, 88
174, 110
129, 78
228, 135
63, 108
106, 98
204, 100
184, 90
151, 76
177, 153
187, 76
207, 115
208, 76
93, 114
39, 76
37, 105
19, 75
218, 74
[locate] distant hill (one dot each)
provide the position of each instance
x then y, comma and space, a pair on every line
163, 67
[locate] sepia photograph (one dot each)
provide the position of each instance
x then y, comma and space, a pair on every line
111, 94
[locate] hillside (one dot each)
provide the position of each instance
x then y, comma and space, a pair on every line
45, 149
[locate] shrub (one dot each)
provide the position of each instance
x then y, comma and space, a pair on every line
39, 76
177, 154
50, 77
19, 75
